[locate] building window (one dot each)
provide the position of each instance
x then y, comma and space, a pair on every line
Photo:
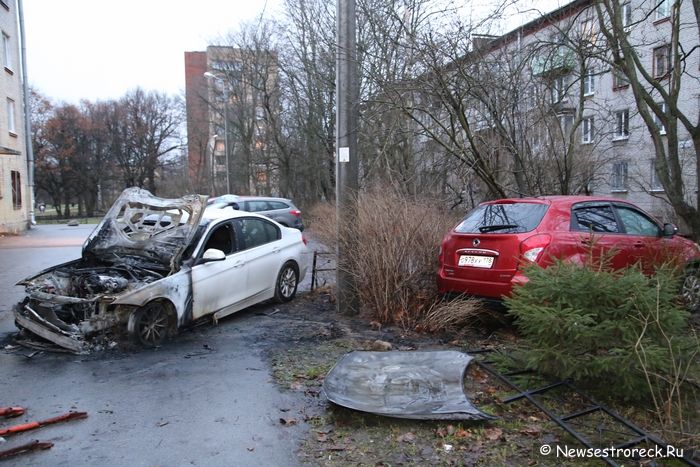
663, 9
11, 116
531, 96
626, 16
589, 83
587, 133
654, 182
558, 89
7, 51
566, 122
622, 124
662, 61
588, 30
620, 79
658, 120
16, 190
619, 176
259, 113
219, 146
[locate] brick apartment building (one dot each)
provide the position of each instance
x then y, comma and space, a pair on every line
228, 141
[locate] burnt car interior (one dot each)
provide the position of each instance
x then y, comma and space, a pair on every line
221, 239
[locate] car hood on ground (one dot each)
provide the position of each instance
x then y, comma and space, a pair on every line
143, 228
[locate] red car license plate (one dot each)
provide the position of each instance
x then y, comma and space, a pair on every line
475, 261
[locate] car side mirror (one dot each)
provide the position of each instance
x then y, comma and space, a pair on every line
234, 205
670, 230
212, 254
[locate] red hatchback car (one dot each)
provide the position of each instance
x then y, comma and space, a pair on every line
484, 254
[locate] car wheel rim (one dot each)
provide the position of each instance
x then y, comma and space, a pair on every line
288, 282
152, 326
691, 291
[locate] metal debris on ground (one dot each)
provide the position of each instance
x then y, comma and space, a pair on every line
25, 448
10, 412
34, 425
422, 385
587, 421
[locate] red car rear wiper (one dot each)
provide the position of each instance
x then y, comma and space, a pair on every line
493, 228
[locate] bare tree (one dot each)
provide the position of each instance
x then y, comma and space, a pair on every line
144, 130
660, 68
307, 83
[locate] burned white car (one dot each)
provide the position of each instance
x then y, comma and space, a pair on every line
153, 266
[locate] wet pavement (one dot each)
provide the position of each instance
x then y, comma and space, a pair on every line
204, 398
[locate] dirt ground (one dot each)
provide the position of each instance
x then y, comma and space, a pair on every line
307, 337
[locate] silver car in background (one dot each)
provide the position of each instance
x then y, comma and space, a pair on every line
281, 210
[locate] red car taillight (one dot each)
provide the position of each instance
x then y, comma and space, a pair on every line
531, 248
303, 239
295, 212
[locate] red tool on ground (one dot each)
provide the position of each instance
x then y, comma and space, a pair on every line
33, 425
9, 412
25, 448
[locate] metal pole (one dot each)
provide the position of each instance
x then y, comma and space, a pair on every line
226, 154
27, 116
347, 161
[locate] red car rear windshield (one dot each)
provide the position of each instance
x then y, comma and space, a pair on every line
503, 218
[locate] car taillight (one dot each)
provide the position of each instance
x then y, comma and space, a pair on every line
531, 248
303, 239
295, 212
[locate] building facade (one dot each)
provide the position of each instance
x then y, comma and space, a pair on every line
14, 195
574, 102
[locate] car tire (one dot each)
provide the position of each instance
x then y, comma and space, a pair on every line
151, 325
287, 282
690, 289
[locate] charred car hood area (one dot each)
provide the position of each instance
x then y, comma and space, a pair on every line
139, 241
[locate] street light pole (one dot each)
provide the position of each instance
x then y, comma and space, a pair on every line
224, 87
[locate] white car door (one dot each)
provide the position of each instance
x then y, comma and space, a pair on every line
263, 245
219, 284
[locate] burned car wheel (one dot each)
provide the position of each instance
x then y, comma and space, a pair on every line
151, 324
287, 281
690, 289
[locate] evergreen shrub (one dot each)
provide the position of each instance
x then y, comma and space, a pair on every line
589, 323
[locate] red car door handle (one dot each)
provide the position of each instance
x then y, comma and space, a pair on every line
639, 245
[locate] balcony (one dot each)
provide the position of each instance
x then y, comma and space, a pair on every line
560, 60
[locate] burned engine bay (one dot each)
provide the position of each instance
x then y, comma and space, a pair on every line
139, 241
75, 298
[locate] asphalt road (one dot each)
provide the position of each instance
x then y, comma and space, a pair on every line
205, 398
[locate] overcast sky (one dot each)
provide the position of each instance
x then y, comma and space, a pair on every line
100, 49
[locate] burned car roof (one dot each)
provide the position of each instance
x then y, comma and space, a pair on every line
142, 226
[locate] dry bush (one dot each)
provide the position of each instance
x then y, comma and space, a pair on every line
455, 314
395, 261
395, 245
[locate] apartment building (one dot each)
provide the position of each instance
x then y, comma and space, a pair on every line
229, 93
14, 196
552, 96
